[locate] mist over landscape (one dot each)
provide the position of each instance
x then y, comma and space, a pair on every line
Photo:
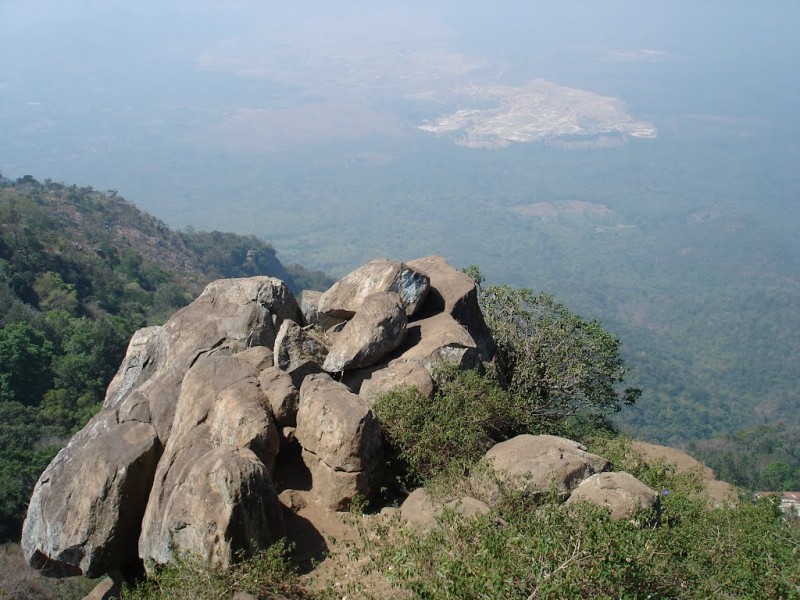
638, 160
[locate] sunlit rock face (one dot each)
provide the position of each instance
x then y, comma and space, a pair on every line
183, 456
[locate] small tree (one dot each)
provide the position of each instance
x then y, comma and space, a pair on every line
554, 361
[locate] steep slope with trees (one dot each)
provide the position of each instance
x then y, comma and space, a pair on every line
80, 271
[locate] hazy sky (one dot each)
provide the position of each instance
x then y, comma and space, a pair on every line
147, 96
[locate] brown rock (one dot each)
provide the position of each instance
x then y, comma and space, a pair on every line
345, 297
536, 464
620, 492
213, 495
455, 293
439, 339
341, 441
105, 590
718, 493
309, 305
671, 456
228, 317
422, 509
87, 505
86, 510
376, 329
295, 346
281, 394
371, 383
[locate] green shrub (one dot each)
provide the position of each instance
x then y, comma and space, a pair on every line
554, 362
468, 413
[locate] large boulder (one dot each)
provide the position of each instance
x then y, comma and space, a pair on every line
341, 441
718, 493
376, 329
345, 297
620, 492
213, 495
86, 510
535, 464
86, 507
229, 316
454, 292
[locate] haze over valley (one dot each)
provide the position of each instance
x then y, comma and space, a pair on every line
639, 161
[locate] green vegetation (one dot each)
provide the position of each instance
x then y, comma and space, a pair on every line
554, 361
764, 458
80, 271
521, 550
555, 373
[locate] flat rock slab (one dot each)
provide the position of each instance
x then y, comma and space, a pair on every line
345, 297
620, 492
439, 339
371, 383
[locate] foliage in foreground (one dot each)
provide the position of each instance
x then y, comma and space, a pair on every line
524, 551
268, 574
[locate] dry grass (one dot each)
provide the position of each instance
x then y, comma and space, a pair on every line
19, 582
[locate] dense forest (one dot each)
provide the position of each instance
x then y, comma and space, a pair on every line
763, 458
80, 271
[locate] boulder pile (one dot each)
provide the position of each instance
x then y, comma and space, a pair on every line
244, 404
201, 429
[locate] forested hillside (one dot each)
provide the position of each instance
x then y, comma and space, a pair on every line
80, 271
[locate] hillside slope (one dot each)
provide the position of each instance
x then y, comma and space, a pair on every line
80, 271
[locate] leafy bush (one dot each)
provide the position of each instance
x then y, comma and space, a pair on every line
553, 361
467, 415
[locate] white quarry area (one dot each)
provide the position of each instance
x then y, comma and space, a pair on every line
540, 111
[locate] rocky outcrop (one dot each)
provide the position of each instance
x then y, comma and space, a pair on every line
223, 422
86, 510
341, 441
229, 316
213, 495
